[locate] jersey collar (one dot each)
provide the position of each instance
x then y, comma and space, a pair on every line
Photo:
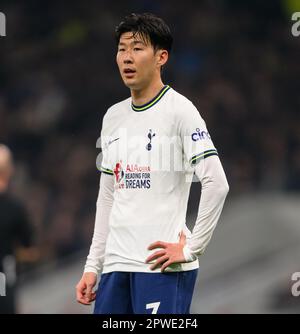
152, 102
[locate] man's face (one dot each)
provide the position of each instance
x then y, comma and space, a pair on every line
137, 61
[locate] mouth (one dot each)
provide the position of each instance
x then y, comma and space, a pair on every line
129, 72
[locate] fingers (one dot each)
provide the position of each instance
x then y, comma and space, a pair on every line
84, 299
155, 255
80, 299
88, 293
157, 244
169, 251
165, 265
84, 293
80, 295
93, 296
159, 261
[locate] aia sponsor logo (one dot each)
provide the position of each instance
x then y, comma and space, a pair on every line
118, 172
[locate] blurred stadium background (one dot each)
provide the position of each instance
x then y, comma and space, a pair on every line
236, 60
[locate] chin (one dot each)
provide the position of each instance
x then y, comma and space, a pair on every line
131, 84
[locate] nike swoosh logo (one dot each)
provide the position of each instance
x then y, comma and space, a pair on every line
111, 141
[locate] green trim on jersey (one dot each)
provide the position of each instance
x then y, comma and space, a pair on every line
151, 103
106, 171
203, 155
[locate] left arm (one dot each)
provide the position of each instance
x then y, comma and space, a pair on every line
214, 191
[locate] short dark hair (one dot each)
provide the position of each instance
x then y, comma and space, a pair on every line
149, 27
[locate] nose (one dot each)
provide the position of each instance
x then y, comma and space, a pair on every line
127, 57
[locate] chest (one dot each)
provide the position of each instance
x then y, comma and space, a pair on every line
143, 138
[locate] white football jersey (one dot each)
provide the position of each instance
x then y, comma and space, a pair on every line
150, 152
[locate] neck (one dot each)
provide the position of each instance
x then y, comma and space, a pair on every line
143, 95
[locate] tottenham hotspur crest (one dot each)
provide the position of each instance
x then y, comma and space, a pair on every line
150, 136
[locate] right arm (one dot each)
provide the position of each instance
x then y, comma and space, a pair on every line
95, 259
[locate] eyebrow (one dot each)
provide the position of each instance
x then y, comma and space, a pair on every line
134, 42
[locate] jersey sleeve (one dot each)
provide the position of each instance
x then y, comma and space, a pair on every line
196, 140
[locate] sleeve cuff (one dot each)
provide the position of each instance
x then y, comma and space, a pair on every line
106, 171
188, 255
196, 158
90, 270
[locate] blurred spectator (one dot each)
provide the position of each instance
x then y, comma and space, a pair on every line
15, 234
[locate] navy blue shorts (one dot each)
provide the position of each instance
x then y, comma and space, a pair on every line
145, 293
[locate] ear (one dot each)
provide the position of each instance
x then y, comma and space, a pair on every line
162, 57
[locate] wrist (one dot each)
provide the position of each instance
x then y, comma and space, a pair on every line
90, 270
188, 254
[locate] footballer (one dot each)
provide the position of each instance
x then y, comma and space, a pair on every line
152, 143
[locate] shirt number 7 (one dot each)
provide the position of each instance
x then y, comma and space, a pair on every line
154, 307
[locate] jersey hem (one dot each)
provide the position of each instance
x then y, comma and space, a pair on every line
176, 267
